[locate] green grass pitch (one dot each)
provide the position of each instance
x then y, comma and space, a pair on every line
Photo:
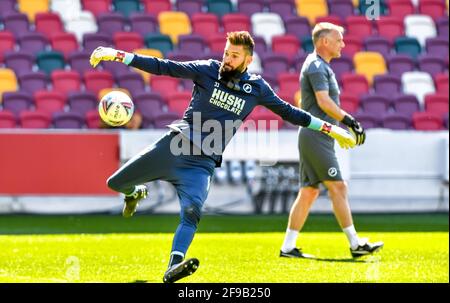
230, 249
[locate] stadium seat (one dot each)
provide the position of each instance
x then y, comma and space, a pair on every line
66, 8
387, 84
437, 47
16, 102
93, 120
32, 7
289, 83
131, 81
355, 84
441, 83
79, 61
16, 23
406, 105
298, 26
442, 27
33, 42
68, 120
33, 81
433, 8
286, 44
341, 65
289, 97
311, 9
217, 42
299, 60
20, 61
267, 25
271, 78
236, 22
8, 81
82, 102
110, 23
164, 119
65, 43
408, 46
396, 121
419, 84
250, 7
401, 8
368, 119
97, 7
349, 102
127, 41
48, 24
174, 24
65, 81
219, 7
35, 119
275, 63
420, 27
398, 64
390, 27
263, 119
352, 45
127, 7
180, 56
307, 44
81, 24
48, 61
205, 24
378, 44
96, 80
178, 102
7, 119
150, 104
341, 8
7, 43
190, 7
191, 43
432, 64
163, 43
358, 27
260, 46
375, 104
49, 101
427, 121
369, 64
284, 8
94, 40
143, 23
331, 19
435, 103
164, 85
7, 6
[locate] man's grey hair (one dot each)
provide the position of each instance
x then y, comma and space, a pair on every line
324, 28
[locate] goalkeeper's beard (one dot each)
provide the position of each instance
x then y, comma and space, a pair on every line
230, 73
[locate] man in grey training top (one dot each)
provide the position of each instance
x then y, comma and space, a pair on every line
318, 162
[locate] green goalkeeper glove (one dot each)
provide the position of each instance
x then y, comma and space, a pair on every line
106, 54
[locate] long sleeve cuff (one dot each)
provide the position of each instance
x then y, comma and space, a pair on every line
128, 58
315, 124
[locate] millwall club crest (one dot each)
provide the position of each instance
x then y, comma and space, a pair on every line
247, 88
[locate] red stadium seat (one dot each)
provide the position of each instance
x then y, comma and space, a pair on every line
66, 81
236, 22
331, 19
205, 24
435, 103
7, 119
441, 83
359, 27
349, 102
97, 7
178, 102
263, 119
217, 42
49, 24
49, 101
289, 83
390, 27
164, 84
286, 44
35, 119
401, 8
64, 42
128, 41
433, 8
352, 45
355, 84
7, 42
427, 121
97, 80
93, 119
154, 7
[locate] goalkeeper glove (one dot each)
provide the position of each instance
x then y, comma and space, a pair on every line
106, 54
343, 137
355, 128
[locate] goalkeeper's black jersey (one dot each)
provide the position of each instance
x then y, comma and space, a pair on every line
216, 106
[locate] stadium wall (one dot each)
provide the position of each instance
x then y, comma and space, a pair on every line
64, 172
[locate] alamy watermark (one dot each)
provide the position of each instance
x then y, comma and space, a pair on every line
373, 10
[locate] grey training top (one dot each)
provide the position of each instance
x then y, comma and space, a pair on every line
317, 75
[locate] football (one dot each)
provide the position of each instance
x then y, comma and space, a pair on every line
116, 108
